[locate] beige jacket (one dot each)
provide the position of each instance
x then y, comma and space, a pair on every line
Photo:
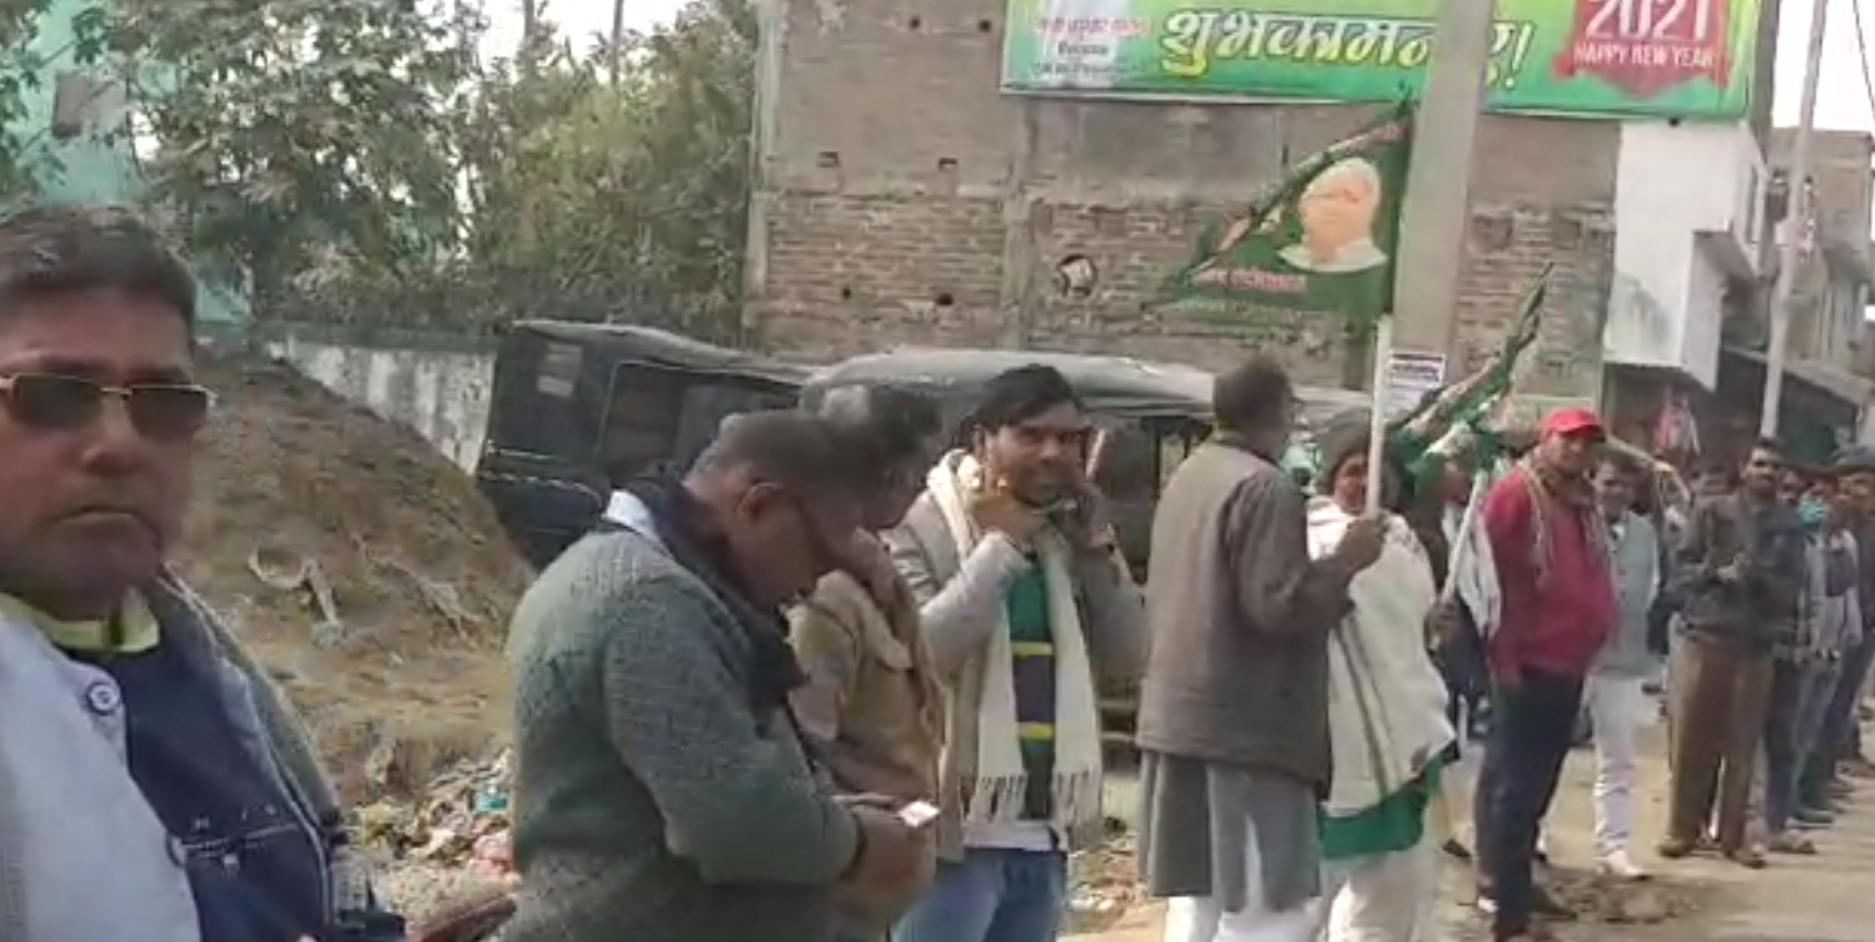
871, 706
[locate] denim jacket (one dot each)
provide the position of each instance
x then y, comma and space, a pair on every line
282, 746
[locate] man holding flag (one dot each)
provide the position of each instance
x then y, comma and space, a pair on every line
1233, 710
1233, 714
1216, 794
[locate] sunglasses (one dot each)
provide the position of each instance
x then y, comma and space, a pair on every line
162, 412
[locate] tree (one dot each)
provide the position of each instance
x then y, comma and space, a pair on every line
294, 133
27, 49
351, 160
18, 72
698, 109
600, 193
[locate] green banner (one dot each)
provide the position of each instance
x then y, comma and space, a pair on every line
1585, 58
1320, 240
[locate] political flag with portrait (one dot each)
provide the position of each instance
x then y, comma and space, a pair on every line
1319, 240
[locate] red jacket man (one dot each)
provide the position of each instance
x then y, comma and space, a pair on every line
1558, 604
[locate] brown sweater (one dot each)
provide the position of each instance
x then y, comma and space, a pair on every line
1238, 616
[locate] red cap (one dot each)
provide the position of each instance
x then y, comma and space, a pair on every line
1574, 422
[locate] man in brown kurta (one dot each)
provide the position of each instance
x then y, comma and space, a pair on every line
1233, 715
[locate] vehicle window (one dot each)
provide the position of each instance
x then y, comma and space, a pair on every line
1173, 449
640, 421
660, 420
559, 370
539, 405
1126, 464
706, 406
1126, 477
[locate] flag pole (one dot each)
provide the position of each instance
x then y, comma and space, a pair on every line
1377, 419
1460, 553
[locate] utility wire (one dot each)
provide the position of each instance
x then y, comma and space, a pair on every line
1862, 58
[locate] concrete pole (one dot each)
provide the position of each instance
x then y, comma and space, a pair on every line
1431, 254
1790, 250
771, 17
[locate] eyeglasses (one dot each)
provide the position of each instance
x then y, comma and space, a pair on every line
161, 412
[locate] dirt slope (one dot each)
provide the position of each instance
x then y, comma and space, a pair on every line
293, 480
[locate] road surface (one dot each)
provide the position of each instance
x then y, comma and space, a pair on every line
1826, 898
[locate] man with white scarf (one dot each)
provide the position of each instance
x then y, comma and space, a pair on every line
1461, 565
1026, 605
1387, 723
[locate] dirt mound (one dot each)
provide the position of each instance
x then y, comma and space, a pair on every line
364, 567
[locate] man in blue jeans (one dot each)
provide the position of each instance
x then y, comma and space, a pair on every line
1024, 605
1551, 548
1855, 482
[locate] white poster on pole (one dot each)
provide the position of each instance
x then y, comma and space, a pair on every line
1411, 374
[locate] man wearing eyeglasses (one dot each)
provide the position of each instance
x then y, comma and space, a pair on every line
871, 706
663, 792
153, 784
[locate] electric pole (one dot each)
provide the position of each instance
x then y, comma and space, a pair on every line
1431, 253
771, 17
615, 55
1790, 250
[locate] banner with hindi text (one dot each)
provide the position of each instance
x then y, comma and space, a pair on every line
1578, 58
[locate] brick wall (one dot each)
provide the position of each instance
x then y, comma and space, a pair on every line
912, 203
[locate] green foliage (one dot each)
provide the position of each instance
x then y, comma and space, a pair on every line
293, 133
19, 75
354, 162
24, 59
597, 199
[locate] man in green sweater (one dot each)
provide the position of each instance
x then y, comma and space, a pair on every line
663, 793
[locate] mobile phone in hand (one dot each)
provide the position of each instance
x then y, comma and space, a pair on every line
918, 814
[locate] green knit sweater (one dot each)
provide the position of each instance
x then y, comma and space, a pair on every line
652, 803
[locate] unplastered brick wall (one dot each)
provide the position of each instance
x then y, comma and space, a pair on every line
909, 201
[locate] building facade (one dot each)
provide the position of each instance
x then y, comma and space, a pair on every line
904, 199
73, 133
1828, 359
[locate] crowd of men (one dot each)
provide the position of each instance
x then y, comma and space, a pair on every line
823, 688
1300, 713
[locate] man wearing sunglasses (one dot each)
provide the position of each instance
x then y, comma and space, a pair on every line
153, 784
662, 790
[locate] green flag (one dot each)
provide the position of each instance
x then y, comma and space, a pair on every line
1471, 400
1469, 403
1523, 335
1321, 240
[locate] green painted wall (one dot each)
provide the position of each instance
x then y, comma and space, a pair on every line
98, 168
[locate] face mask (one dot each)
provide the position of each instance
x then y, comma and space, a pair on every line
1811, 511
